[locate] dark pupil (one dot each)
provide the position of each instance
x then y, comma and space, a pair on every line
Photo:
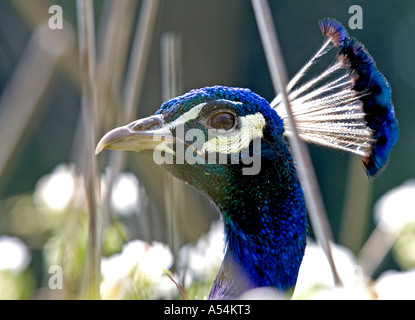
222, 121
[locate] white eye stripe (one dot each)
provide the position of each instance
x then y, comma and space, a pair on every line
189, 115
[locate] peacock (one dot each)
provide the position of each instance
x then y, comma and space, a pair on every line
230, 144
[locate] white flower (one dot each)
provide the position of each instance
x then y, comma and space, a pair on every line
396, 208
14, 255
396, 285
125, 196
315, 270
203, 260
156, 258
56, 190
139, 266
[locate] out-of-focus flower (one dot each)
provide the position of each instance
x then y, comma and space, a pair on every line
202, 261
396, 208
55, 191
15, 281
315, 272
14, 255
138, 272
126, 194
394, 214
396, 285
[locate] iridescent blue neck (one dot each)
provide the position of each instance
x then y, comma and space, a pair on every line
265, 226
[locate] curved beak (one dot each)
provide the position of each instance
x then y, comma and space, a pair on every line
139, 135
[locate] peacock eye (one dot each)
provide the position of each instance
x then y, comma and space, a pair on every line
222, 120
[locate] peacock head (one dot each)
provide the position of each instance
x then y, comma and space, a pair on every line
208, 137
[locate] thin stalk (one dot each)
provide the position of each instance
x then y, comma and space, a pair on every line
179, 287
33, 74
308, 179
139, 57
35, 12
134, 82
114, 35
374, 251
355, 217
171, 76
86, 32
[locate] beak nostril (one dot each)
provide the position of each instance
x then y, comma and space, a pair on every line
150, 123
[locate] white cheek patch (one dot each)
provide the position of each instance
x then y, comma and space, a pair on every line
251, 128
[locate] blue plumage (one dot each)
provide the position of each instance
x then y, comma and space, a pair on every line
334, 30
264, 214
377, 103
375, 93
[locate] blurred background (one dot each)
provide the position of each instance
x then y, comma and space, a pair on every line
45, 132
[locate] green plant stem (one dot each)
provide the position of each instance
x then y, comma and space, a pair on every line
86, 32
